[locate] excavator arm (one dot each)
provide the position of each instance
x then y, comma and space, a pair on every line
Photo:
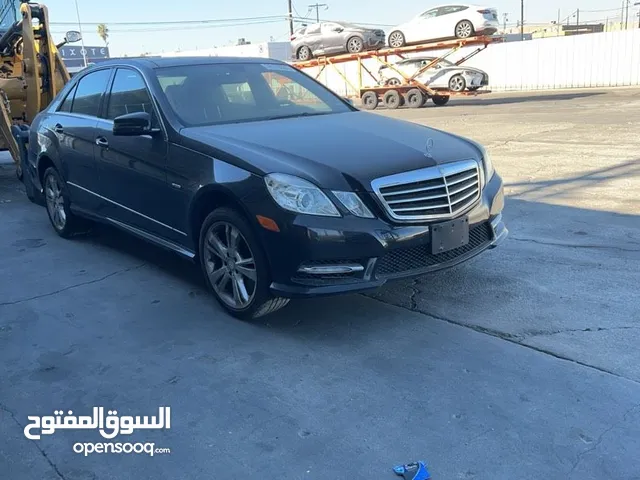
31, 69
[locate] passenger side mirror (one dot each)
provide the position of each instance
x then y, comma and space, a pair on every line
338, 29
133, 124
72, 36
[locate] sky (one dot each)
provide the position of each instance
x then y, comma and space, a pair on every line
226, 19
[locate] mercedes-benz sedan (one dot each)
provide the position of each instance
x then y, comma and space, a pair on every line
276, 186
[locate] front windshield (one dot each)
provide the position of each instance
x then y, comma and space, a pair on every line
211, 94
9, 14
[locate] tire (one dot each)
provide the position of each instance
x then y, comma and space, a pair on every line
414, 98
32, 193
474, 89
457, 83
464, 29
64, 222
19, 171
440, 100
370, 100
397, 39
304, 53
392, 99
221, 270
355, 45
393, 81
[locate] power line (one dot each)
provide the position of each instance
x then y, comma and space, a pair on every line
317, 8
180, 22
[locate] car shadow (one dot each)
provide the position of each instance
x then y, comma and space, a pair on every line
491, 99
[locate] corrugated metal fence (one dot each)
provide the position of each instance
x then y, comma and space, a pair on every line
592, 60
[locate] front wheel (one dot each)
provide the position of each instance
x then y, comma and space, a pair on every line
457, 83
355, 45
440, 100
234, 265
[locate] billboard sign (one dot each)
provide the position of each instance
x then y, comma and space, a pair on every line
73, 56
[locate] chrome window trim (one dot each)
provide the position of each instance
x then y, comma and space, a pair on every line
425, 174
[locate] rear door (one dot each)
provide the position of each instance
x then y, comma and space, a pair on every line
132, 168
74, 126
313, 39
447, 19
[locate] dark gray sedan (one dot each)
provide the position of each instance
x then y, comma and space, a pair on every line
330, 38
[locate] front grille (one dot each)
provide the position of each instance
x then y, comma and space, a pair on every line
405, 261
440, 192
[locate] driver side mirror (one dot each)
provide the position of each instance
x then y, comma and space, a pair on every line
338, 29
133, 124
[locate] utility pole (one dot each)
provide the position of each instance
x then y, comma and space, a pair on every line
84, 50
522, 20
626, 15
558, 24
291, 17
317, 7
578, 19
505, 20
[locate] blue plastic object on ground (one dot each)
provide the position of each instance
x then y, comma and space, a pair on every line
413, 471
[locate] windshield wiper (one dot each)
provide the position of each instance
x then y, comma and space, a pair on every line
295, 115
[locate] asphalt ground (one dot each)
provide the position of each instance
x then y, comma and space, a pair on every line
521, 364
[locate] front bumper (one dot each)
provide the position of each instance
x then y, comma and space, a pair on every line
317, 256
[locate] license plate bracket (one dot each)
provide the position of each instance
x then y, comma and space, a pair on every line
450, 235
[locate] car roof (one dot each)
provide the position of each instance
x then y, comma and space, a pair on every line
159, 62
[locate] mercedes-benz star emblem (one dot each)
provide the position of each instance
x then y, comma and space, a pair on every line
429, 147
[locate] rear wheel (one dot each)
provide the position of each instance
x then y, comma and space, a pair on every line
64, 222
464, 29
370, 100
304, 53
396, 39
392, 99
393, 81
234, 265
355, 45
415, 98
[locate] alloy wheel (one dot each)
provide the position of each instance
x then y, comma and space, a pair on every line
464, 30
396, 40
355, 45
230, 265
457, 84
55, 202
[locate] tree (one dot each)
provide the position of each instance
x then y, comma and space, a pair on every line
103, 33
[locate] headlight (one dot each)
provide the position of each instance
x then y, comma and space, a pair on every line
488, 165
298, 195
354, 204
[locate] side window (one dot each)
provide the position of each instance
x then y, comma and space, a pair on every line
89, 93
289, 91
329, 27
450, 9
65, 106
129, 94
313, 29
430, 13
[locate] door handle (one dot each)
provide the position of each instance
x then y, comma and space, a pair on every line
102, 142
58, 128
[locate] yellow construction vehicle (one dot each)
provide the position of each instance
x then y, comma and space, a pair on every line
31, 71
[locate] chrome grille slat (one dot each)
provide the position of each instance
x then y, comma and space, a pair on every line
419, 199
403, 195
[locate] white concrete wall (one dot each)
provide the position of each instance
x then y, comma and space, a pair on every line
277, 50
592, 60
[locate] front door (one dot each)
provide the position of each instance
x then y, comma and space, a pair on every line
132, 168
332, 38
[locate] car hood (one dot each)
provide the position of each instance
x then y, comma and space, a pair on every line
336, 151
